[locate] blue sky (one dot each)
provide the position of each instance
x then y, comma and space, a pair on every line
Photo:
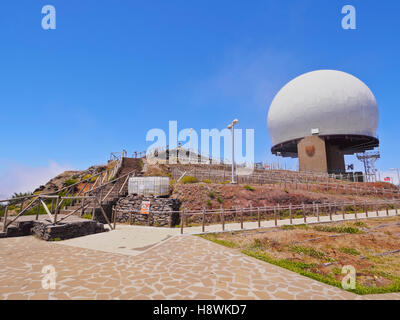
112, 70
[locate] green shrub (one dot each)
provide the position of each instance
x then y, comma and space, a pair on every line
209, 203
189, 179
360, 224
250, 188
70, 182
86, 176
336, 271
211, 195
219, 200
207, 181
87, 216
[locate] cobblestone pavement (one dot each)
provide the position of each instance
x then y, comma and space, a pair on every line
183, 267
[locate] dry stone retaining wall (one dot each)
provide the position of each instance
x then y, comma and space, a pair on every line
161, 211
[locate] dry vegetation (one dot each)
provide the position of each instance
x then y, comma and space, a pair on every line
215, 195
320, 251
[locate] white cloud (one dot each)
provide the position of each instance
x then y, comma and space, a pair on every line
20, 178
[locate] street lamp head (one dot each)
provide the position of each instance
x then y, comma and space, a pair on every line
236, 121
230, 126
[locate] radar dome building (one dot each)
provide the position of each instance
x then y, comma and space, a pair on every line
321, 116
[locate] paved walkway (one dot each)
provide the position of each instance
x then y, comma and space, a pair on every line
134, 240
125, 239
182, 267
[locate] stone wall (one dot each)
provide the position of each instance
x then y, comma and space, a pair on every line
128, 208
47, 231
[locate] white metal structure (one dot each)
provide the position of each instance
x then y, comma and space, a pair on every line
149, 186
335, 102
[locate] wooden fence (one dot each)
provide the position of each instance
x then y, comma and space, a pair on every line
279, 212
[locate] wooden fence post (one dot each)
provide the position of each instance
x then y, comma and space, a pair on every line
317, 208
290, 213
387, 208
377, 208
344, 211
355, 209
203, 220
5, 219
304, 213
259, 217
241, 218
182, 219
275, 217
38, 209
366, 209
223, 219
115, 216
149, 218
56, 209
330, 211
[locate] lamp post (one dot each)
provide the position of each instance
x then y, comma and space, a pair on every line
231, 126
398, 175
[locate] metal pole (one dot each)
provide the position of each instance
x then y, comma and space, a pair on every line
233, 154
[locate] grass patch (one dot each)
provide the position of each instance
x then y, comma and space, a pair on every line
305, 269
308, 251
70, 182
351, 251
87, 216
250, 188
338, 229
207, 181
295, 226
360, 224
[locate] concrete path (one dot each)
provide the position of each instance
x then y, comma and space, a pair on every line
184, 267
125, 239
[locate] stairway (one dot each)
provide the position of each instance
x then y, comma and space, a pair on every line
127, 166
